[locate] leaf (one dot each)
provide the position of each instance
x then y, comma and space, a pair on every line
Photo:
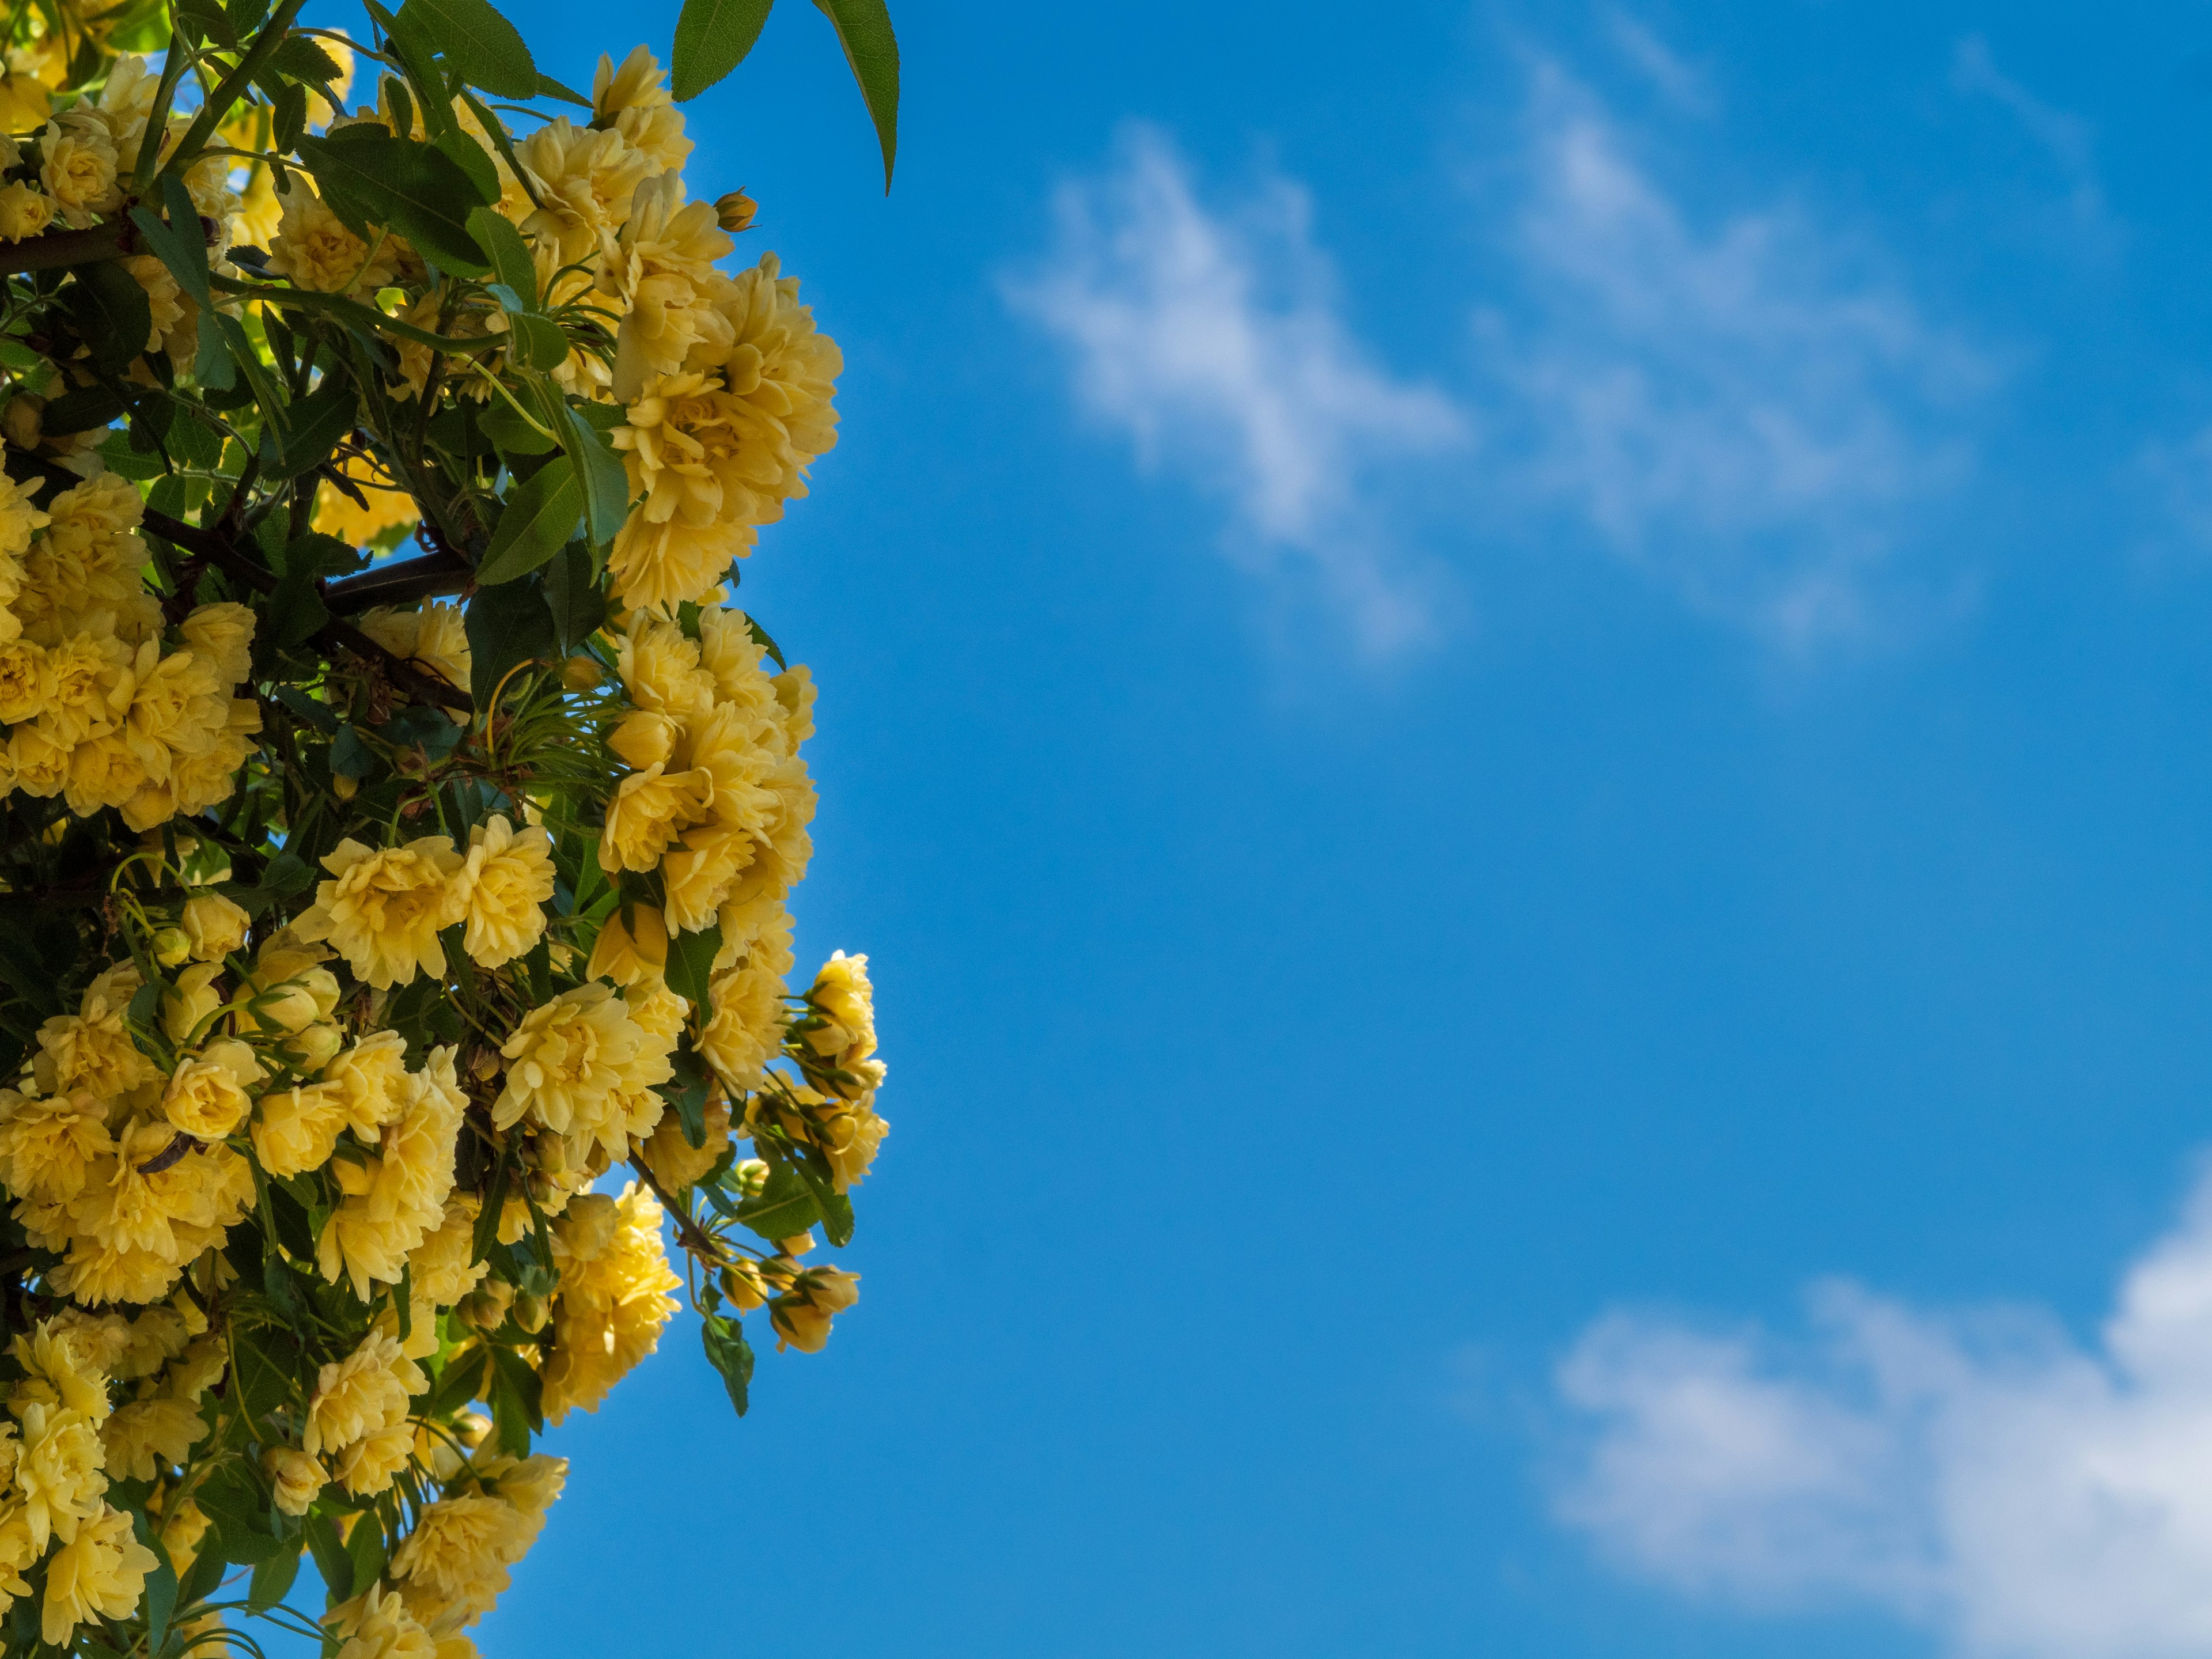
573, 597
112, 314
836, 1208
510, 432
515, 1407
538, 342
316, 555
784, 1207
458, 1383
507, 624
331, 1557
350, 756
691, 963
294, 613
712, 39
469, 157
320, 422
200, 1577
367, 1549
606, 482
864, 29
728, 1352
80, 410
212, 369
262, 1365
181, 251
762, 640
288, 114
478, 42
509, 254
549, 88
541, 515
161, 1591
272, 1579
301, 57
409, 186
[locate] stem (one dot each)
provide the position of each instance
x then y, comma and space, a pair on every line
157, 121
227, 89
58, 249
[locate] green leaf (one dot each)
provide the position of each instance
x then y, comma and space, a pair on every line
573, 595
864, 29
509, 254
784, 1208
161, 1591
728, 1352
542, 514
213, 368
301, 57
510, 433
762, 640
112, 313
606, 483
331, 1557
458, 1383
712, 39
691, 963
294, 610
469, 155
507, 624
514, 1406
200, 1577
208, 20
288, 115
179, 248
265, 1362
538, 342
414, 188
476, 41
320, 422
549, 88
79, 411
367, 1549
272, 1579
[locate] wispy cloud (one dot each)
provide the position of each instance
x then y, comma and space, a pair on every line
1677, 80
1981, 1473
2064, 138
1754, 409
1213, 338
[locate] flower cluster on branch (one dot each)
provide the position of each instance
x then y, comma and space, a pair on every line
397, 1022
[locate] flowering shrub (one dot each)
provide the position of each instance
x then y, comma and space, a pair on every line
393, 946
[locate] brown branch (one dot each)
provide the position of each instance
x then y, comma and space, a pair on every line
400, 582
58, 248
334, 635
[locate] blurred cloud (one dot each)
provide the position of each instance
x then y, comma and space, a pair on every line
1753, 411
2064, 138
1657, 62
1213, 338
1979, 1474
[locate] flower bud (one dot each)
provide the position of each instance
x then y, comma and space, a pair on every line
734, 211
21, 420
171, 947
530, 1313
315, 1047
486, 1307
297, 1477
751, 1175
741, 1283
802, 1316
343, 787
797, 1244
581, 673
215, 926
470, 1428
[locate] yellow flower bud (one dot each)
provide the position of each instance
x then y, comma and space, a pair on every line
734, 211
298, 1478
215, 926
171, 947
21, 420
343, 787
581, 673
486, 1308
530, 1312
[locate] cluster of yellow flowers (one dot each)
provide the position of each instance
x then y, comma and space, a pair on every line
99, 711
373, 1014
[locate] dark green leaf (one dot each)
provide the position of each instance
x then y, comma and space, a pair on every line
573, 597
784, 1208
112, 313
691, 963
301, 57
728, 1352
606, 484
293, 612
200, 1577
506, 625
412, 187
367, 1549
316, 555
331, 1557
712, 39
207, 19
80, 410
512, 433
541, 515
549, 88
478, 42
213, 368
245, 16
460, 1382
762, 640
509, 254
864, 29
320, 422
265, 1360
272, 1579
836, 1208
161, 1591
538, 342
456, 147
515, 1403
178, 243
350, 756
288, 115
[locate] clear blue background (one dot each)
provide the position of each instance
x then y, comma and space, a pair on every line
1290, 1055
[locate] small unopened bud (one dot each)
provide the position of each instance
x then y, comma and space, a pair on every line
581, 673
752, 1177
21, 421
470, 1428
545, 1152
486, 1307
343, 787
530, 1313
317, 1046
171, 946
485, 1065
735, 211
798, 1243
741, 1283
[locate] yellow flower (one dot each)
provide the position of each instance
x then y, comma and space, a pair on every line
369, 1465
650, 809
506, 879
586, 180
385, 1630
440, 1268
627, 958
660, 671
297, 1129
22, 669
848, 1138
101, 1573
24, 211
801, 1315
23, 102
62, 1471
77, 168
142, 1435
434, 635
49, 1146
744, 1024
206, 1097
394, 1199
844, 1001
388, 506
224, 633
371, 1078
366, 1391
314, 249
662, 267
457, 1558
297, 1478
215, 926
574, 1067
611, 1309
383, 910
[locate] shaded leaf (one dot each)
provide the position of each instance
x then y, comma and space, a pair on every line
272, 1578
712, 39
509, 254
691, 963
412, 187
112, 314
541, 515
784, 1207
506, 625
728, 1352
320, 422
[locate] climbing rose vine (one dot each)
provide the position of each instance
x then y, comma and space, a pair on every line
397, 810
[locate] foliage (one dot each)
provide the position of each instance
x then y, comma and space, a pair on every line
361, 910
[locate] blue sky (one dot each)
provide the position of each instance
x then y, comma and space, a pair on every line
1514, 703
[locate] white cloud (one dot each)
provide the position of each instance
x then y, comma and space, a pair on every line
1982, 1474
1755, 412
2064, 138
1214, 339
1657, 62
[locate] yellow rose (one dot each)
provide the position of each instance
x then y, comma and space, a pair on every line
215, 926
207, 1097
297, 1477
78, 169
23, 212
383, 909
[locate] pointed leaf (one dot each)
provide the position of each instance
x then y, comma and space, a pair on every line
864, 29
541, 515
413, 188
712, 39
112, 313
488, 50
509, 254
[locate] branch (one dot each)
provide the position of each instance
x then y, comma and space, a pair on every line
335, 635
58, 248
401, 582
